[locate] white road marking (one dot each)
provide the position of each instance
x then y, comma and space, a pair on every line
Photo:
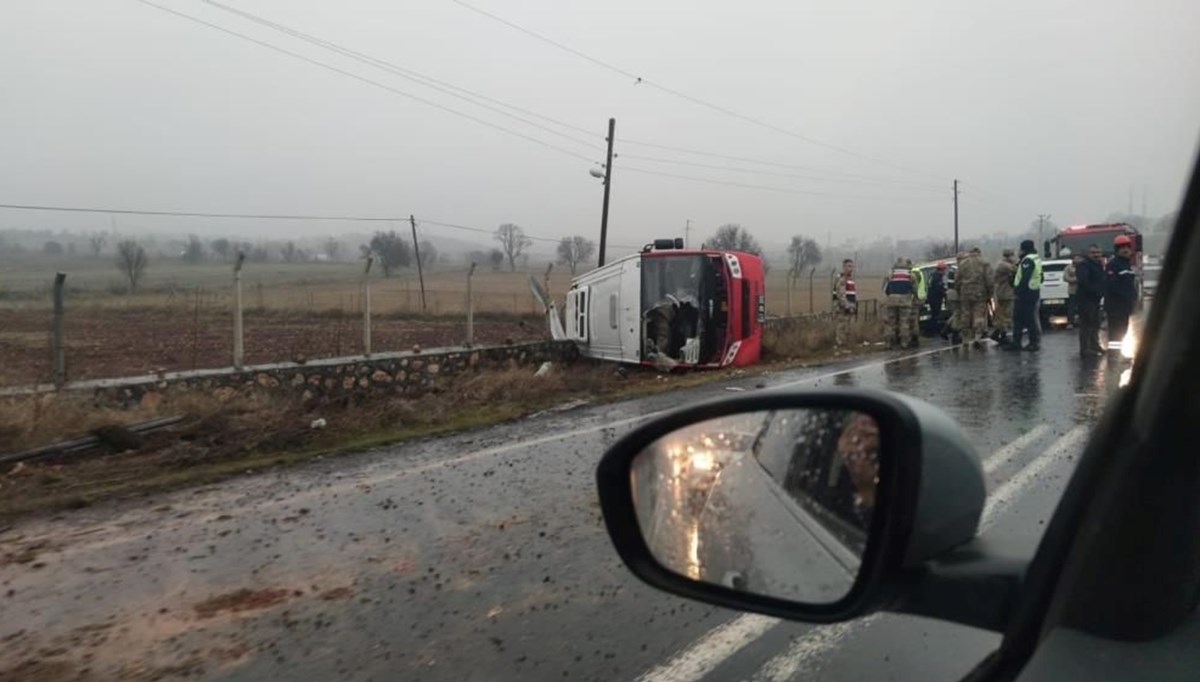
711, 650
1005, 454
702, 656
808, 648
1011, 489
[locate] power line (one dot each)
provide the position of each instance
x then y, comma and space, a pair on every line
369, 81
415, 76
270, 216
753, 171
763, 162
769, 188
641, 80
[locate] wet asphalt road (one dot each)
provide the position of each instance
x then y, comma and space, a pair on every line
482, 556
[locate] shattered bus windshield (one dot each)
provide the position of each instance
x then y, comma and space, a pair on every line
683, 301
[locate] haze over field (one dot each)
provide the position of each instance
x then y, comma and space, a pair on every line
869, 109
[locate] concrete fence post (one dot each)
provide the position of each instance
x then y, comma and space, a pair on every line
59, 344
367, 307
811, 301
239, 351
470, 309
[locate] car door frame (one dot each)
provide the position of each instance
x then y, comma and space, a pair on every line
1095, 540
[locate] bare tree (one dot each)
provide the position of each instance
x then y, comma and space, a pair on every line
940, 250
573, 251
132, 262
392, 250
97, 242
289, 252
496, 257
193, 251
513, 242
332, 247
429, 253
734, 237
222, 247
803, 253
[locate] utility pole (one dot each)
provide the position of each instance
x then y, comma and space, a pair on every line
1143, 202
417, 250
612, 126
687, 234
956, 252
1042, 218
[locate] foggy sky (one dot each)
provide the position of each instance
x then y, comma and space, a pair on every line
1038, 107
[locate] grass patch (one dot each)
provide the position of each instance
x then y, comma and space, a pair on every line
813, 337
220, 440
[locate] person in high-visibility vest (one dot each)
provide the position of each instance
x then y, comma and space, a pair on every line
1028, 285
920, 292
898, 306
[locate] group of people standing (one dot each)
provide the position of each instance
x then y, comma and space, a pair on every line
1010, 292
1111, 287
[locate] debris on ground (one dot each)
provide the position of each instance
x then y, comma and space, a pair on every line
318, 424
240, 600
544, 369
119, 438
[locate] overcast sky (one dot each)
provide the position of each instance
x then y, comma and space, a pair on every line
1037, 106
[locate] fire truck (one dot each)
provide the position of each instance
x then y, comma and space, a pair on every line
1078, 238
666, 306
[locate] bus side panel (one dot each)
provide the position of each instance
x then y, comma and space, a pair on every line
748, 307
604, 340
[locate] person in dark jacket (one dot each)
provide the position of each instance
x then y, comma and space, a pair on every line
1089, 275
1120, 291
936, 296
1028, 285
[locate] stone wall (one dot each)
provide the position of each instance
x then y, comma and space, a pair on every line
408, 373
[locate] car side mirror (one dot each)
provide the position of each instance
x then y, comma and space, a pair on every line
815, 506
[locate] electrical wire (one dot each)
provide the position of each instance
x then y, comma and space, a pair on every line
768, 188
415, 76
369, 81
641, 80
763, 162
753, 171
276, 216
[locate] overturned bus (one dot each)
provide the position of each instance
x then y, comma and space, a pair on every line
667, 307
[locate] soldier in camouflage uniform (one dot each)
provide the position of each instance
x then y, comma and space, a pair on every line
1005, 294
900, 289
845, 299
974, 286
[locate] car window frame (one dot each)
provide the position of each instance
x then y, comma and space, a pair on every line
1068, 551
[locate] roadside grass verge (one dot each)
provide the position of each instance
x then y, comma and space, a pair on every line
248, 434
245, 435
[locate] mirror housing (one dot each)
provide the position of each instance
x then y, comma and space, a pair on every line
930, 499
